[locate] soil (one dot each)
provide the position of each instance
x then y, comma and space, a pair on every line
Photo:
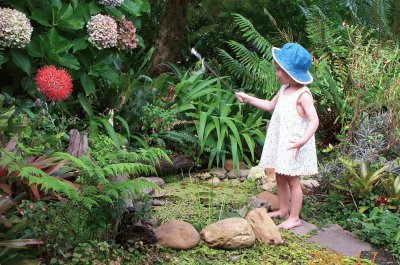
382, 256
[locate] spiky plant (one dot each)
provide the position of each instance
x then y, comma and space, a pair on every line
369, 141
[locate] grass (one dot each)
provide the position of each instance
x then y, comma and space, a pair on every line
191, 199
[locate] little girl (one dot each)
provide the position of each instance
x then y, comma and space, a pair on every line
289, 146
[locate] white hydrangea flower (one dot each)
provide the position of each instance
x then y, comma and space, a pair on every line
111, 3
15, 28
102, 31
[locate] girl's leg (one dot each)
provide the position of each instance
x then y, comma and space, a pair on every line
283, 197
296, 200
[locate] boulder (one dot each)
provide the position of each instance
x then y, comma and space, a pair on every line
156, 180
264, 228
218, 172
214, 180
310, 183
229, 165
178, 235
271, 198
230, 233
256, 173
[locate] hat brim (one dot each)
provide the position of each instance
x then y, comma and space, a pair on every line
301, 78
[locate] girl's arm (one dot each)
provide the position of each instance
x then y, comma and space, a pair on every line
267, 105
307, 103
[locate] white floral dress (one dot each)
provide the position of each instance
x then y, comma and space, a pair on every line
287, 125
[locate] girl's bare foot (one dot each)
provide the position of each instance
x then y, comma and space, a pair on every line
290, 223
279, 213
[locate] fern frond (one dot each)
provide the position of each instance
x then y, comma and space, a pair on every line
87, 202
252, 35
46, 182
234, 67
84, 163
134, 186
130, 168
179, 137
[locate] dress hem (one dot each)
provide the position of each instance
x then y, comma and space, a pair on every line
290, 174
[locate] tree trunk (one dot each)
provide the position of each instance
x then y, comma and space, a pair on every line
170, 35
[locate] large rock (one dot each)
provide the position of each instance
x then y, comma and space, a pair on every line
229, 165
264, 228
178, 235
310, 183
256, 173
230, 233
156, 180
218, 172
271, 198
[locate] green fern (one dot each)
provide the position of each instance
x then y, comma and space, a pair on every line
251, 68
129, 168
253, 36
179, 138
46, 182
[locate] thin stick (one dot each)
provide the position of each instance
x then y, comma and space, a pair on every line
198, 56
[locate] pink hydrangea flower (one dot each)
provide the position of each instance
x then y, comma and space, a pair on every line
127, 38
15, 28
102, 31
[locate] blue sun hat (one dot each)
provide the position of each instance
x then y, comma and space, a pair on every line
295, 61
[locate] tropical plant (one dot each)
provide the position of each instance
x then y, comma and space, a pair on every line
223, 128
362, 178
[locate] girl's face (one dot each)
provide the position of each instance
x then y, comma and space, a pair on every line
283, 77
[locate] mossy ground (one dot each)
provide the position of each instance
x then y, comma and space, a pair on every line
201, 203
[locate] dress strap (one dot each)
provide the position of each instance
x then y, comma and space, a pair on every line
300, 92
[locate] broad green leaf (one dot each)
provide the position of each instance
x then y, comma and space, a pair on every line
21, 59
115, 12
28, 84
72, 23
56, 5
86, 104
200, 128
80, 44
145, 8
65, 12
183, 108
111, 131
125, 124
34, 48
209, 128
69, 60
234, 151
111, 75
94, 8
87, 83
40, 17
97, 70
3, 59
396, 185
234, 130
250, 143
131, 7
141, 141
58, 43
362, 209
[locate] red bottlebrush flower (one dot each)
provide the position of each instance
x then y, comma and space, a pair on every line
54, 84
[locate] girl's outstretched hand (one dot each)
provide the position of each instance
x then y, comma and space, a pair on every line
242, 97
